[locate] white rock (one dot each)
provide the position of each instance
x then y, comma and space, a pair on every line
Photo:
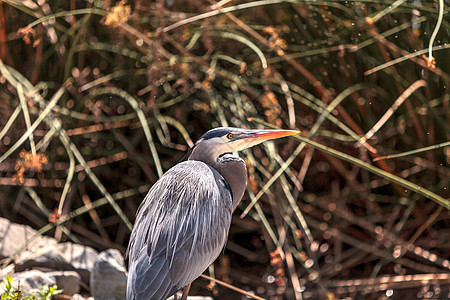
69, 281
13, 236
81, 257
30, 280
46, 257
64, 256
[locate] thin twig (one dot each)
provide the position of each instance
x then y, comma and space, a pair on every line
419, 150
232, 287
419, 83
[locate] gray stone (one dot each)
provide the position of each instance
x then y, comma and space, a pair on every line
35, 279
64, 256
46, 257
13, 236
109, 276
69, 281
82, 258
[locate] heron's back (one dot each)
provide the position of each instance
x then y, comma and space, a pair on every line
181, 227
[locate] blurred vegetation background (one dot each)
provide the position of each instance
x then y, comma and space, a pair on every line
99, 98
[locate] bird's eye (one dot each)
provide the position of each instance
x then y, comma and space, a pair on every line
230, 136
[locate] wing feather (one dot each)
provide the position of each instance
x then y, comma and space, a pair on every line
181, 227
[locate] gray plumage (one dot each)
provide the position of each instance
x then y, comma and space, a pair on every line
182, 225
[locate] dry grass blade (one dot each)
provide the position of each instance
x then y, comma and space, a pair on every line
231, 287
221, 10
36, 123
411, 56
11, 120
26, 117
429, 148
392, 109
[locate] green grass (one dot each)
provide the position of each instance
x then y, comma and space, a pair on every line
11, 292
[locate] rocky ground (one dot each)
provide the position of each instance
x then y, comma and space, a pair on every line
81, 271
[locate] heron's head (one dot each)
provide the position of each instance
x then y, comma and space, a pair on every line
223, 140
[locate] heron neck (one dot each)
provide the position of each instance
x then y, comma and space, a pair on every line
232, 169
234, 172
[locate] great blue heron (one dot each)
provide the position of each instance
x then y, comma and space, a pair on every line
182, 225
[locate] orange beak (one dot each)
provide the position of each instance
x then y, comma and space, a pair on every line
264, 135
